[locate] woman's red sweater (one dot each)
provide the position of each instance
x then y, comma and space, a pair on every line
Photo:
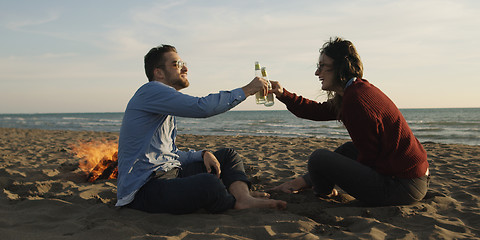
378, 129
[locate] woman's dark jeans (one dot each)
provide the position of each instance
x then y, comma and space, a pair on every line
327, 169
193, 188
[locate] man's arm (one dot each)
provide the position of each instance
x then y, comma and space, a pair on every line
158, 98
190, 156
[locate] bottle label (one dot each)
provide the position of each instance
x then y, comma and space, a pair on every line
264, 72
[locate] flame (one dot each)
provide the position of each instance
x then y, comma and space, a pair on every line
98, 159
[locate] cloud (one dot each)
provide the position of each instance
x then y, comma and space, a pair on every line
404, 44
22, 22
123, 44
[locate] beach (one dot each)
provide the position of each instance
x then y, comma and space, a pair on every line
46, 196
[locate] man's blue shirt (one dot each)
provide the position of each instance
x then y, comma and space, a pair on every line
147, 135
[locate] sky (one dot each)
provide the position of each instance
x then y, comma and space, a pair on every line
87, 56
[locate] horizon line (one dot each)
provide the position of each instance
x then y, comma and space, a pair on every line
253, 110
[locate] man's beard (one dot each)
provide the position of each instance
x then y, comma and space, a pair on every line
177, 82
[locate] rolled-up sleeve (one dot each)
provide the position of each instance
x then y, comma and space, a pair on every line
189, 157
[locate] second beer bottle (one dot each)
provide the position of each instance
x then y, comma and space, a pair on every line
259, 96
269, 99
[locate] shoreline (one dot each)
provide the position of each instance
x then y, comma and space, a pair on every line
45, 195
228, 136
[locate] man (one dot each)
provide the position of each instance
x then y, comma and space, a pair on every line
154, 176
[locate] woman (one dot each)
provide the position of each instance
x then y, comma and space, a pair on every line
384, 164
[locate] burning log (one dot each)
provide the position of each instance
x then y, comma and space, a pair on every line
98, 160
105, 169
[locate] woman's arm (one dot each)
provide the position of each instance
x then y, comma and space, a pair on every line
303, 107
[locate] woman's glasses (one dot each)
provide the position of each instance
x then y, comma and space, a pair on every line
323, 66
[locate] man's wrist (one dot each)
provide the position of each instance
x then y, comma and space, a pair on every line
247, 91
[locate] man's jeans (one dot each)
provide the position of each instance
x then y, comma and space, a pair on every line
327, 169
193, 188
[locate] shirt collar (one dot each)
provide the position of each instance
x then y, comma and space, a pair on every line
349, 82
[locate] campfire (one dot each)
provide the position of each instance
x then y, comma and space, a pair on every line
98, 159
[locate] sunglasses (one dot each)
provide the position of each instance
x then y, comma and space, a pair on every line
179, 64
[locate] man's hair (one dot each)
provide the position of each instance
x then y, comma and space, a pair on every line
154, 59
346, 64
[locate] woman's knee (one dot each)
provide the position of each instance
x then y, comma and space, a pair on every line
320, 161
347, 149
318, 156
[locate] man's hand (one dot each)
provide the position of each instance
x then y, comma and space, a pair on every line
210, 162
257, 84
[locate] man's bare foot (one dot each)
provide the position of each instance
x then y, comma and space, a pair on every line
244, 198
257, 194
252, 202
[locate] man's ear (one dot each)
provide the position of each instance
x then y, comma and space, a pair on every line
158, 74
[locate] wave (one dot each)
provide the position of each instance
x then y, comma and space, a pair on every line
75, 118
452, 126
111, 120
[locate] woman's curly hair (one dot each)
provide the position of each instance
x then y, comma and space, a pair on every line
346, 65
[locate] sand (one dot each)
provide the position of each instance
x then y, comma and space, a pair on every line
44, 195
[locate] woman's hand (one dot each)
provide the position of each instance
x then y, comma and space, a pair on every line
210, 162
277, 89
292, 186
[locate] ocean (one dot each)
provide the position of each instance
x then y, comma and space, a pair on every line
447, 125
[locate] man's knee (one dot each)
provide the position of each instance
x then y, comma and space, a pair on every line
228, 153
228, 157
214, 196
210, 183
